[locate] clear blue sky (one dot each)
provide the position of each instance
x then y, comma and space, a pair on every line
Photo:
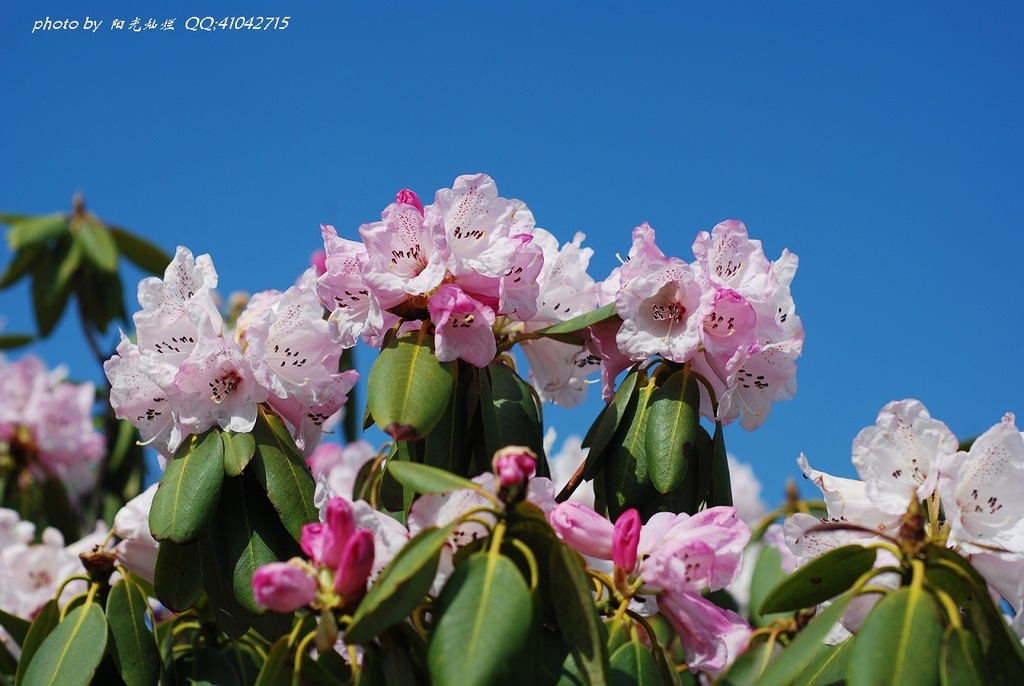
883, 144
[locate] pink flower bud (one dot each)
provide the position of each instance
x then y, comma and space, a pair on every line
407, 197
625, 539
315, 540
586, 531
342, 525
319, 260
355, 566
281, 587
514, 466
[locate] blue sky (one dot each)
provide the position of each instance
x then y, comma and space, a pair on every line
880, 143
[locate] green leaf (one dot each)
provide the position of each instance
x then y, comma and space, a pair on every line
422, 478
144, 254
133, 647
71, 653
204, 666
627, 483
97, 242
899, 642
767, 575
176, 582
186, 500
603, 430
233, 619
581, 322
279, 467
58, 511
805, 649
572, 595
821, 579
447, 445
245, 535
33, 230
49, 291
671, 432
721, 486
482, 618
238, 450
510, 413
828, 667
44, 623
748, 667
408, 389
16, 627
633, 664
23, 261
401, 587
962, 661
278, 670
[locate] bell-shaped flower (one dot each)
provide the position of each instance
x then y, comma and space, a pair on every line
728, 258
712, 637
659, 312
405, 253
587, 532
283, 587
755, 378
215, 386
462, 327
355, 310
846, 500
477, 223
137, 398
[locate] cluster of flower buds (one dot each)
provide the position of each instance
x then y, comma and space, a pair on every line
673, 557
46, 427
336, 573
188, 373
472, 263
730, 314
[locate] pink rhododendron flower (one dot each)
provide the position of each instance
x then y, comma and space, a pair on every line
462, 327
283, 587
477, 224
405, 253
215, 386
659, 312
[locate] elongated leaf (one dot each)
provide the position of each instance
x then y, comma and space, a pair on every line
205, 666
177, 584
96, 240
627, 483
401, 587
282, 472
422, 478
33, 230
408, 389
16, 627
767, 575
790, 665
134, 647
748, 667
238, 450
44, 623
829, 665
821, 579
671, 432
447, 446
962, 660
581, 322
15, 340
278, 670
571, 593
510, 413
601, 434
234, 620
482, 618
245, 535
23, 261
899, 642
721, 486
186, 500
71, 653
144, 254
49, 294
632, 664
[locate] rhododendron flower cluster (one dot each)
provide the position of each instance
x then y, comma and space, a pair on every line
46, 425
672, 557
730, 314
972, 498
188, 373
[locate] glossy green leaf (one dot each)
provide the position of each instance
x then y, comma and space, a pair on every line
401, 587
204, 666
422, 478
721, 483
177, 585
97, 242
627, 483
603, 430
45, 622
572, 595
751, 663
245, 535
233, 619
767, 575
899, 642
481, 619
447, 445
32, 230
403, 657
408, 389
510, 413
961, 660
238, 450
582, 321
133, 647
788, 667
821, 579
22, 263
280, 469
71, 653
828, 666
633, 665
186, 500
279, 669
50, 294
671, 431
16, 627
141, 252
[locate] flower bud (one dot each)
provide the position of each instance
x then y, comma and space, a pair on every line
354, 568
513, 467
282, 587
408, 197
585, 530
625, 539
